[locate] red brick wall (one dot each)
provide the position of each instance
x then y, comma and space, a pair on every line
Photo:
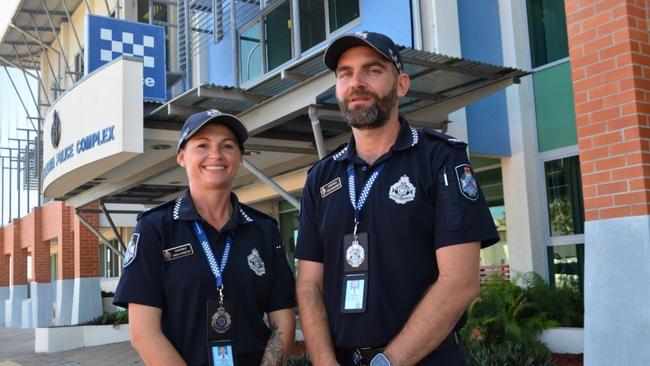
18, 256
86, 246
4, 271
40, 249
610, 62
65, 235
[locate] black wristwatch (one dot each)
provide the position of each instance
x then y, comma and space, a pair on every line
380, 360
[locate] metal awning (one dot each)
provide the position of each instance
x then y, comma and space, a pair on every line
32, 30
276, 113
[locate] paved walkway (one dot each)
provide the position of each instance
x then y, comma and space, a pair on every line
17, 349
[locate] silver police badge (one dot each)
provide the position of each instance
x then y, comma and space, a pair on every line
255, 263
221, 321
355, 254
402, 191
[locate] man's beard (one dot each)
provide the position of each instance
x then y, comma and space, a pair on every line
371, 117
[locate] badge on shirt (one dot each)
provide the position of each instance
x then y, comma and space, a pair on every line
178, 252
355, 253
131, 249
255, 263
330, 187
403, 191
467, 182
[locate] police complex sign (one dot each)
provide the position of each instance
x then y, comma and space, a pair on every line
94, 127
110, 38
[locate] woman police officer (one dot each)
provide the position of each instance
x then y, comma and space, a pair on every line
201, 271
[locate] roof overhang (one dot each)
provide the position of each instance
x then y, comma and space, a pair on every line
32, 30
276, 113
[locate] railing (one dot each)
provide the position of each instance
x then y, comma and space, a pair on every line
497, 270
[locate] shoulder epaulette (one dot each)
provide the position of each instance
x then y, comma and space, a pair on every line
457, 143
251, 211
331, 154
156, 208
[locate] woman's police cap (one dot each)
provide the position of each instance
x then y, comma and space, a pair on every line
194, 123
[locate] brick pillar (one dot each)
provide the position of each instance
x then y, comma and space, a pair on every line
87, 302
610, 60
17, 275
66, 259
40, 288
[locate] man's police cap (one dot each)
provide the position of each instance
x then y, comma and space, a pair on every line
379, 42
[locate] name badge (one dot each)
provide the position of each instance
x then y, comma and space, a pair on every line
330, 187
178, 252
221, 353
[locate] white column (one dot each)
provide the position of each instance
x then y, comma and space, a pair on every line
523, 178
617, 315
63, 308
87, 300
41, 294
4, 296
13, 306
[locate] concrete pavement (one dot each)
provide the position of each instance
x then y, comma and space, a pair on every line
17, 349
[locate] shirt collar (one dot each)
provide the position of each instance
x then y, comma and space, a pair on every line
184, 210
406, 138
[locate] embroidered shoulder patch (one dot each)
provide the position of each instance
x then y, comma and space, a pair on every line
131, 250
466, 182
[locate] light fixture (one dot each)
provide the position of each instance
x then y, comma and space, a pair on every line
252, 152
161, 147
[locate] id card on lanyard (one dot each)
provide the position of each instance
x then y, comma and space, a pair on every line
356, 251
220, 331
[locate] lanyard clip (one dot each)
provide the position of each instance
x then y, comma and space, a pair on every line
356, 226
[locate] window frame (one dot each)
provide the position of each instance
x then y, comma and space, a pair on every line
556, 154
265, 10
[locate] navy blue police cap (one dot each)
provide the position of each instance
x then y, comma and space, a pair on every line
194, 123
379, 42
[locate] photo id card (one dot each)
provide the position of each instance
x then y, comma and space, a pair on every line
355, 289
222, 353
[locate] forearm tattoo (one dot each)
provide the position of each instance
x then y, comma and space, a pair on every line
274, 350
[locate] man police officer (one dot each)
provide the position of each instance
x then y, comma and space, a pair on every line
396, 209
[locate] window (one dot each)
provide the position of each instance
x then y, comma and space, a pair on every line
266, 43
318, 18
547, 31
289, 229
341, 12
491, 182
159, 11
566, 265
564, 196
79, 65
110, 264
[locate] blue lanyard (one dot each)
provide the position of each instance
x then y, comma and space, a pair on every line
212, 261
358, 204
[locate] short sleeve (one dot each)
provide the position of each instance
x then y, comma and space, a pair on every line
309, 245
141, 279
461, 212
283, 295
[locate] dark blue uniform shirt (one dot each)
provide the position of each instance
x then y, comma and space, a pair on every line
257, 277
425, 198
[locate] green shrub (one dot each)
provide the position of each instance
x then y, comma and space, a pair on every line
504, 321
299, 360
115, 319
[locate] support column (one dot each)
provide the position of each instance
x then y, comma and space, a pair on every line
609, 47
87, 301
65, 263
17, 277
40, 288
4, 279
522, 171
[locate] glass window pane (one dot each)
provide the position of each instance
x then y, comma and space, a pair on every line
277, 36
547, 31
312, 23
566, 265
341, 12
564, 194
249, 52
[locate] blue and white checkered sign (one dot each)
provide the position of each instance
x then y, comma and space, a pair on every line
109, 38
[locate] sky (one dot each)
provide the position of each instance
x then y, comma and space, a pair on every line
12, 116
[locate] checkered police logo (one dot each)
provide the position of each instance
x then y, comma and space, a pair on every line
124, 43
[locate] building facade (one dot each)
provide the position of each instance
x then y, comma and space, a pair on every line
561, 155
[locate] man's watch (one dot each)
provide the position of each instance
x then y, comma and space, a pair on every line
380, 359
